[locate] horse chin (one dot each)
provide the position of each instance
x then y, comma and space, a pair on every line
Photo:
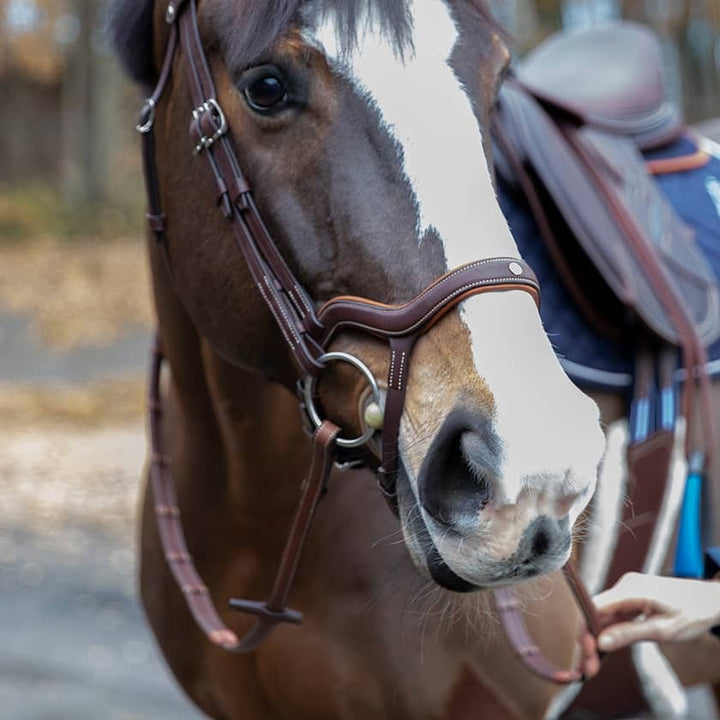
420, 545
488, 574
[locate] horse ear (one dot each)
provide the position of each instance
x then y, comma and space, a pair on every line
130, 29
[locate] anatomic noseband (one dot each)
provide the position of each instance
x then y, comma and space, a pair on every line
308, 332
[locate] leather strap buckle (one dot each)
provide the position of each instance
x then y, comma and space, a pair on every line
209, 110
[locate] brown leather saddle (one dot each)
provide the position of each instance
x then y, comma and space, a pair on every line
569, 127
571, 124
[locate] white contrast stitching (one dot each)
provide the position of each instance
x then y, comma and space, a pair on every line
288, 339
290, 324
446, 300
401, 381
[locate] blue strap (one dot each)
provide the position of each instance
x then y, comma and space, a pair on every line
689, 560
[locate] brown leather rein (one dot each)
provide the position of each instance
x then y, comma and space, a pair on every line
308, 334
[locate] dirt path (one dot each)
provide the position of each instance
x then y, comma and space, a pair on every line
73, 642
74, 329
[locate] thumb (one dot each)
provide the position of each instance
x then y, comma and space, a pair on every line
627, 633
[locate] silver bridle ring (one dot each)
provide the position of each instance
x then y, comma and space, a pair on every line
149, 108
309, 391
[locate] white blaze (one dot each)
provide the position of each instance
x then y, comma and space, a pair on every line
427, 111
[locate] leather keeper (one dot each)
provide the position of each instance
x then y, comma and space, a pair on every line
261, 609
156, 222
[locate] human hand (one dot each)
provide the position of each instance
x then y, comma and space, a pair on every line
661, 609
589, 658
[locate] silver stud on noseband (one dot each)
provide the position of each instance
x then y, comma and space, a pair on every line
310, 385
515, 268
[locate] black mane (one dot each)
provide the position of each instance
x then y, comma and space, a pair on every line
130, 28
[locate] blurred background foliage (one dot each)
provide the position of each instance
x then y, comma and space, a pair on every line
69, 165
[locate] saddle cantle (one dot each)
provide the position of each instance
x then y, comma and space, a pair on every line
598, 185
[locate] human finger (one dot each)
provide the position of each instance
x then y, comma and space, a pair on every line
627, 633
590, 661
612, 610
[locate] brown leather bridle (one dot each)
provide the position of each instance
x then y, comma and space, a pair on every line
308, 333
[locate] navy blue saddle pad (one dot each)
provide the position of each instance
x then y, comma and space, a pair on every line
591, 359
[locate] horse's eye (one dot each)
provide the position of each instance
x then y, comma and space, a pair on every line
266, 93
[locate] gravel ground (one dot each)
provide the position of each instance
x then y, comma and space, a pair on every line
73, 642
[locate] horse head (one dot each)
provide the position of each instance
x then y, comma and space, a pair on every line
361, 126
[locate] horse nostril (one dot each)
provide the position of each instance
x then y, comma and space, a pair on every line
542, 539
453, 487
541, 542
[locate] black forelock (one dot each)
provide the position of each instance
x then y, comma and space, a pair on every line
130, 29
247, 28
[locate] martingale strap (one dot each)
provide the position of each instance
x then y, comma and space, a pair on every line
172, 537
308, 334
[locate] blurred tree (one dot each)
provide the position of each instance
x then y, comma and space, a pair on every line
64, 124
55, 65
83, 180
27, 38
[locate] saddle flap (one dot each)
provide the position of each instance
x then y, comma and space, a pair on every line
637, 201
610, 77
616, 213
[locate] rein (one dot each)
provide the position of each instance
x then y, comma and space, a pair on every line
308, 334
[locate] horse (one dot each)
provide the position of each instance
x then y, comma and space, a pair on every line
335, 110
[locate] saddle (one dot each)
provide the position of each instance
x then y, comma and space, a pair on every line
571, 124
571, 136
